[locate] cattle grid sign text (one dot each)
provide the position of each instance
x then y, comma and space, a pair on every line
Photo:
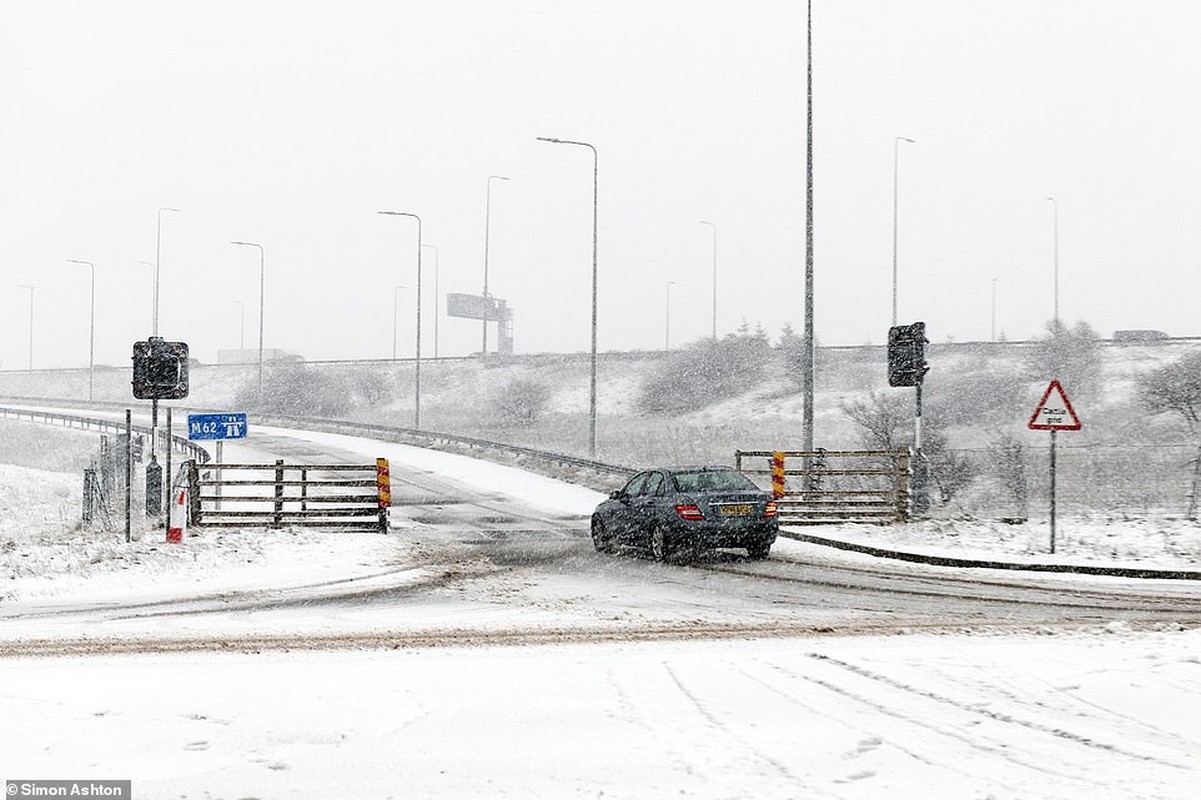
216, 426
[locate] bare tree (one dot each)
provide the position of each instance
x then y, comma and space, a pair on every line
883, 420
1176, 388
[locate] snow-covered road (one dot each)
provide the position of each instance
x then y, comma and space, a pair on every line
484, 649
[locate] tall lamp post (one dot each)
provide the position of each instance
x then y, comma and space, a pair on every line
1055, 210
437, 296
896, 143
714, 227
807, 356
487, 227
261, 286
592, 380
30, 288
417, 363
91, 328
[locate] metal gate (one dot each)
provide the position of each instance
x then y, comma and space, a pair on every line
833, 486
350, 497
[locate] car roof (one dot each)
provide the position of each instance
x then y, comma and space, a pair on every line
700, 468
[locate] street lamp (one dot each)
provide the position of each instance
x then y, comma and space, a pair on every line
487, 226
896, 143
437, 297
417, 363
714, 227
667, 319
1055, 209
30, 288
807, 355
91, 329
158, 241
592, 380
261, 284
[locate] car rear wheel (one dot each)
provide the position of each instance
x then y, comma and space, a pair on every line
600, 537
660, 549
759, 551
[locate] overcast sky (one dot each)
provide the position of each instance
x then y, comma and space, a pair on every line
292, 123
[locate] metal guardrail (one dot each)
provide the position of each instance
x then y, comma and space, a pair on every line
523, 456
181, 444
428, 438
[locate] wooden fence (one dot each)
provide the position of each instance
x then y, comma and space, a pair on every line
338, 496
831, 486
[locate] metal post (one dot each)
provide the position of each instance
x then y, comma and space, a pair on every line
1053, 435
808, 351
128, 472
592, 378
417, 361
277, 518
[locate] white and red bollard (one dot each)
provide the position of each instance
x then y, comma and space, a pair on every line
177, 516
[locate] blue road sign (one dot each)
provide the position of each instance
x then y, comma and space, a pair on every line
216, 426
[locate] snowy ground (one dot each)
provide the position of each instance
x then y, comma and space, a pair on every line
1104, 713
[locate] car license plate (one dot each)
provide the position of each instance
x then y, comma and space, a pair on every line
734, 509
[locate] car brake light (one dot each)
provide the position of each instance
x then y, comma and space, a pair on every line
689, 512
770, 510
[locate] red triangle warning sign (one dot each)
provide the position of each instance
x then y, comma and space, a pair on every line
1054, 412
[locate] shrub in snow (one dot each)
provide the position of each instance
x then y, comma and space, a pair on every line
705, 372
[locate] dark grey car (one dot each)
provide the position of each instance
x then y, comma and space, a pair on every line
672, 509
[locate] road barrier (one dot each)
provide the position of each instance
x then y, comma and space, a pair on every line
834, 486
350, 497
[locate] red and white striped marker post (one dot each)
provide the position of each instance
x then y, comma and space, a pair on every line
177, 515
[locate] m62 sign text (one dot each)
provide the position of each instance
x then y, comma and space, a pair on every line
216, 426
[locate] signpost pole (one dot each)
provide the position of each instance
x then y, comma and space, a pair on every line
128, 470
1054, 433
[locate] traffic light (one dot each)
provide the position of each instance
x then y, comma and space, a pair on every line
907, 354
160, 370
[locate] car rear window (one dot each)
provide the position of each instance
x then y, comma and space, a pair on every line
724, 480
